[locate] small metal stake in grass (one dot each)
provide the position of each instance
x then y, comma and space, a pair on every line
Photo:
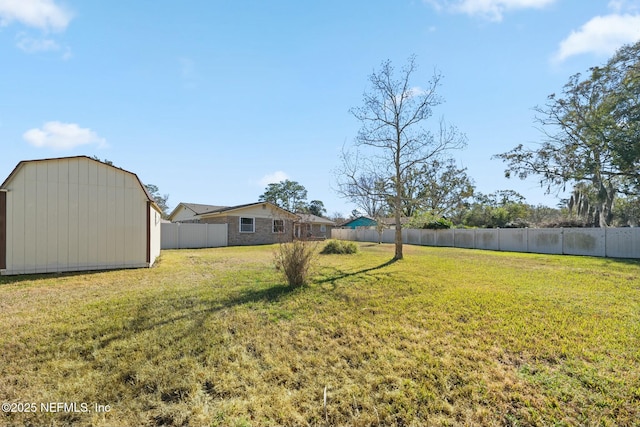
326, 416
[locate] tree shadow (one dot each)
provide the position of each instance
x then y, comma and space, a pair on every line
343, 275
198, 311
629, 261
144, 318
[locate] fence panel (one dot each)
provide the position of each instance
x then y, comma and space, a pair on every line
623, 242
445, 237
488, 239
413, 236
388, 236
545, 240
513, 240
428, 237
192, 236
610, 242
584, 241
464, 239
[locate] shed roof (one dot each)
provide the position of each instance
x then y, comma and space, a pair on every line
21, 164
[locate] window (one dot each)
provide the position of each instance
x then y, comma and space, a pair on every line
323, 228
247, 225
278, 226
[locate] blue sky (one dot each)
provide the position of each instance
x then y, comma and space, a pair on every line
212, 100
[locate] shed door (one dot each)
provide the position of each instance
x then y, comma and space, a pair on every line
3, 230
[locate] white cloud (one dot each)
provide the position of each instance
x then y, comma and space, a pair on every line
619, 6
273, 178
602, 35
43, 14
62, 136
489, 9
30, 44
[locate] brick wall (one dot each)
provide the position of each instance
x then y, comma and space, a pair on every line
263, 234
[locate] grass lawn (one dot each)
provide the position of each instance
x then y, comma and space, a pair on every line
214, 337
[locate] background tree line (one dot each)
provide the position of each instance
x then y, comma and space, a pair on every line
590, 144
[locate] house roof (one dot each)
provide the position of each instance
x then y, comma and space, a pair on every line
369, 219
196, 208
24, 162
229, 209
392, 220
314, 219
389, 221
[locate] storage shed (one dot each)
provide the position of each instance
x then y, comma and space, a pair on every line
75, 214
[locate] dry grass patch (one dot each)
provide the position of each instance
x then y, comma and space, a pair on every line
216, 337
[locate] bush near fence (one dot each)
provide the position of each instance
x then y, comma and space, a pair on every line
600, 242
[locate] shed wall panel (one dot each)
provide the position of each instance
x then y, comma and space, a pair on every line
63, 230
155, 234
28, 206
51, 203
76, 214
83, 222
73, 249
3, 230
17, 225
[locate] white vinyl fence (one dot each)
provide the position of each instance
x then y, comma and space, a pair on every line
601, 242
190, 236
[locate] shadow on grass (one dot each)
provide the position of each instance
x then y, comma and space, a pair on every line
19, 278
198, 311
343, 275
629, 261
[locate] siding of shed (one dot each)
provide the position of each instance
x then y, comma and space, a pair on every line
3, 230
154, 234
74, 214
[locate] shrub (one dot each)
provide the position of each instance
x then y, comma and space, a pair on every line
439, 224
429, 221
295, 261
339, 247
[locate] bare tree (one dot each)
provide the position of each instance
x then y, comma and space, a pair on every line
392, 140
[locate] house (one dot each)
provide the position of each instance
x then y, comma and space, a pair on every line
361, 221
257, 223
75, 214
390, 222
313, 226
188, 212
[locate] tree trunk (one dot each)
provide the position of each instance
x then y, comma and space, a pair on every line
398, 254
398, 240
